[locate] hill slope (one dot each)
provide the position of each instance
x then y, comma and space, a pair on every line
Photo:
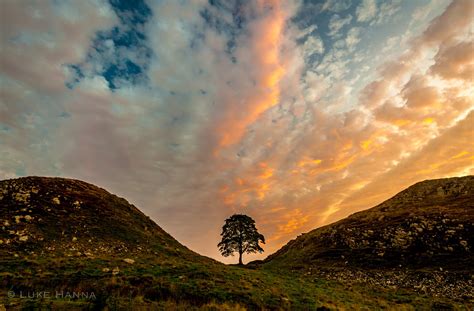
429, 224
42, 216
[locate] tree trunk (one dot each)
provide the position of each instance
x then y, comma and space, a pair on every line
241, 250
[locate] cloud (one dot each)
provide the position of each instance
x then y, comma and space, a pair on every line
455, 61
313, 45
366, 11
386, 11
37, 42
336, 23
336, 5
54, 33
353, 37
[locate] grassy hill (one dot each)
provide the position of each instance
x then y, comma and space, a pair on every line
58, 217
67, 237
430, 224
422, 238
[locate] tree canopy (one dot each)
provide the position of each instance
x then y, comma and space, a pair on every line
239, 234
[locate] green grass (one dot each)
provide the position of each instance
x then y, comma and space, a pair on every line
181, 285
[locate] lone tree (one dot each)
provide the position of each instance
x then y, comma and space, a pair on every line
239, 234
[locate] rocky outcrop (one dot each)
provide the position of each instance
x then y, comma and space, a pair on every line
439, 283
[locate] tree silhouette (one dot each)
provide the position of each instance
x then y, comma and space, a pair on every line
239, 234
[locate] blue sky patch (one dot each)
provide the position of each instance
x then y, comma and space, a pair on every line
120, 54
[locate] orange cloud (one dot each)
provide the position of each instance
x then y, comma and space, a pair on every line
265, 55
307, 161
460, 155
255, 186
455, 62
267, 173
290, 222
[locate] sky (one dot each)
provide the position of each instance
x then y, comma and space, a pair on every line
296, 113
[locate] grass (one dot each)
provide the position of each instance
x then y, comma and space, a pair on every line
181, 285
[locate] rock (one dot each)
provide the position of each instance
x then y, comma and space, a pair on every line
440, 191
56, 201
115, 271
129, 261
74, 239
23, 238
22, 196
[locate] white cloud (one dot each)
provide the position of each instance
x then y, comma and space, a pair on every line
336, 5
366, 11
352, 38
306, 31
313, 45
386, 11
336, 23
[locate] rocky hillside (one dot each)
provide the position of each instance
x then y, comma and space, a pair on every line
430, 224
41, 216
